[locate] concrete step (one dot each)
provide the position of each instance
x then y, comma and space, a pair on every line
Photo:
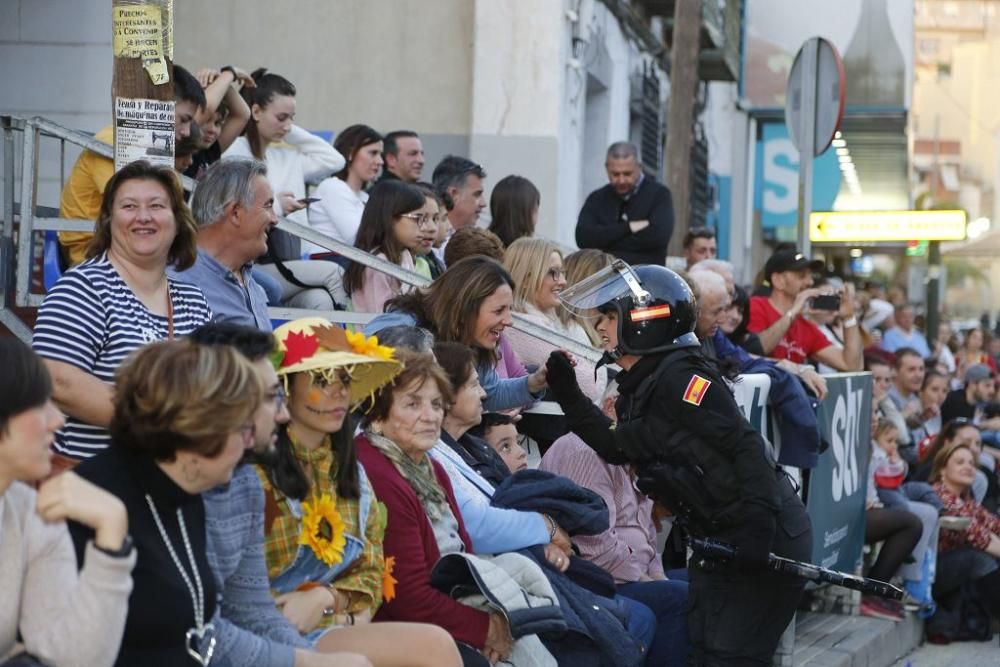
837, 640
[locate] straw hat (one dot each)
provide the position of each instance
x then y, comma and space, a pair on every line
314, 344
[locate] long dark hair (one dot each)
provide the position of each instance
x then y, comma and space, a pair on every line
948, 432
449, 307
268, 86
742, 301
512, 207
286, 474
26, 383
387, 201
350, 141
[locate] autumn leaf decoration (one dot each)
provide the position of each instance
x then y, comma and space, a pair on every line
323, 529
388, 581
298, 347
277, 358
332, 338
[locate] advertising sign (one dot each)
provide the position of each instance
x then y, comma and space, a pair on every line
144, 130
776, 181
839, 482
875, 226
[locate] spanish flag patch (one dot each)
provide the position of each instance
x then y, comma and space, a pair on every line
696, 390
649, 313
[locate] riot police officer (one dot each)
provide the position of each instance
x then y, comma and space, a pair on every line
679, 424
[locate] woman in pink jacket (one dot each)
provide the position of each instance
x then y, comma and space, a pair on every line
396, 219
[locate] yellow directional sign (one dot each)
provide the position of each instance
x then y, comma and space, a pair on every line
875, 226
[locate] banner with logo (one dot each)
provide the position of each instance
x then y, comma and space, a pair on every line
838, 484
750, 392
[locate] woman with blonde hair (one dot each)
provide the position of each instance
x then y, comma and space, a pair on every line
536, 266
183, 418
576, 267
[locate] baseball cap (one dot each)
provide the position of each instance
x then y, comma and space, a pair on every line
785, 259
977, 373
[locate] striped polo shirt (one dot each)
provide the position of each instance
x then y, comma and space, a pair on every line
91, 319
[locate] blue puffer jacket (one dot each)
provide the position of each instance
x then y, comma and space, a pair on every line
794, 409
577, 510
591, 617
600, 619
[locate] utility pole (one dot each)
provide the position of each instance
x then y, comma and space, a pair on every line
142, 89
934, 250
680, 114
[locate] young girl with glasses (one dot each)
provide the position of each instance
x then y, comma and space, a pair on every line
397, 220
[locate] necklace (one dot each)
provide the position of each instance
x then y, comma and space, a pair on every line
121, 266
201, 629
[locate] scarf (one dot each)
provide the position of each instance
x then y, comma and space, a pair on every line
420, 476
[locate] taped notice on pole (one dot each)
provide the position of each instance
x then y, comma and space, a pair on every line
138, 32
144, 130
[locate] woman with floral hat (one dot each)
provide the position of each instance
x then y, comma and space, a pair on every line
323, 526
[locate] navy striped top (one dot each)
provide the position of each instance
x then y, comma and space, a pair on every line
91, 319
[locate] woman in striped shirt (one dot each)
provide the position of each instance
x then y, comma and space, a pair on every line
117, 301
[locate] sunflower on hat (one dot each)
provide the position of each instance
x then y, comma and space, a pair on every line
314, 345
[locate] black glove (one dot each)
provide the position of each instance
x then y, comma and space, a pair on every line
753, 539
583, 417
653, 479
561, 378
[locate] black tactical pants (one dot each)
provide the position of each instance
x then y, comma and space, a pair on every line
737, 618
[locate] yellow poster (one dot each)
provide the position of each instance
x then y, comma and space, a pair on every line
138, 33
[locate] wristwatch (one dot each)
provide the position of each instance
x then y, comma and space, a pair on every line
121, 552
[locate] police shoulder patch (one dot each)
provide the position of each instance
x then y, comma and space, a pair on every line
696, 390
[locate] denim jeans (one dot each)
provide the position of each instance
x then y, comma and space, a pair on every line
668, 600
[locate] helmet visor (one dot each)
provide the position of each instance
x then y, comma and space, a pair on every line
582, 299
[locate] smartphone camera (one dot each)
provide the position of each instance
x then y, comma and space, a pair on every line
826, 302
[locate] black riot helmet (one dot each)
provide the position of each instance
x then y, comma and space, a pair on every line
655, 307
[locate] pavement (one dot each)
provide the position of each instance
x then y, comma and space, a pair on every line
839, 640
959, 654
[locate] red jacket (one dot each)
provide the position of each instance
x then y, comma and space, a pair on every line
409, 538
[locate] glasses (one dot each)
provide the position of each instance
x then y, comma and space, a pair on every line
279, 397
555, 273
327, 385
422, 219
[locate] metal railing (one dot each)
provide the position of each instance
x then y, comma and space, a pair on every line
33, 129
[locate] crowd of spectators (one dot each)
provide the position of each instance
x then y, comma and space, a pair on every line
322, 496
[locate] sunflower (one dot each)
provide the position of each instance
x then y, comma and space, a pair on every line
388, 581
323, 529
369, 346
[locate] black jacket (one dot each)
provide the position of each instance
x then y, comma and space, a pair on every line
604, 218
676, 416
687, 400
